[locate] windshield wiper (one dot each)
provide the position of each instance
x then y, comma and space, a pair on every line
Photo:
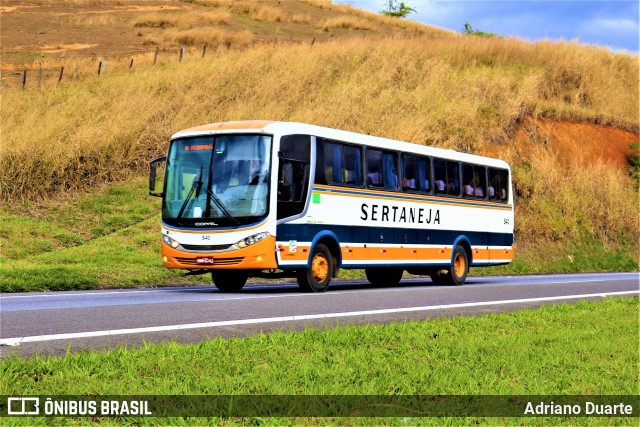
195, 188
220, 206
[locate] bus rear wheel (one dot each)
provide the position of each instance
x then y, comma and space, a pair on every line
384, 276
229, 280
317, 277
457, 273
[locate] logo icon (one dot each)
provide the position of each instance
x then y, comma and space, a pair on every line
23, 406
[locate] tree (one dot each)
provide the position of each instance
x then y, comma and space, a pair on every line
469, 31
397, 9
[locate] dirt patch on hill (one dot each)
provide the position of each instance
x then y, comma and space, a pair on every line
573, 143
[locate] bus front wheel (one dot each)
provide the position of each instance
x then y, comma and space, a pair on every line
317, 277
229, 280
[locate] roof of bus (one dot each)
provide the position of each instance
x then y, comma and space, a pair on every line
283, 128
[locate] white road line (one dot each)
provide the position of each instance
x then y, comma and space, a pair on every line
75, 335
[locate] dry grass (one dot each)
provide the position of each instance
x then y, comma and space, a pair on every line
459, 93
570, 202
270, 14
182, 21
347, 22
301, 19
155, 20
207, 36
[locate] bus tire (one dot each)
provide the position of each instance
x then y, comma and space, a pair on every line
384, 276
317, 277
229, 280
457, 273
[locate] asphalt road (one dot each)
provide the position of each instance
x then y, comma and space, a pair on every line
52, 322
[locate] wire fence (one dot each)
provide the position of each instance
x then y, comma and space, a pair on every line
53, 72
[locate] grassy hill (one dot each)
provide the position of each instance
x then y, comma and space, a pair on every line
64, 146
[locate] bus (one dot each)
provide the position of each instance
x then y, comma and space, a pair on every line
270, 199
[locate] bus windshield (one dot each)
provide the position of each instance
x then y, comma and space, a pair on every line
217, 181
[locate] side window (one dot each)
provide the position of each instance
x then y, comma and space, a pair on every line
498, 185
381, 169
446, 177
474, 181
416, 173
338, 163
293, 174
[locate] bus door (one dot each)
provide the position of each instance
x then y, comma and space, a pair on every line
293, 175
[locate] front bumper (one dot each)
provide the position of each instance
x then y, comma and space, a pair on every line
259, 256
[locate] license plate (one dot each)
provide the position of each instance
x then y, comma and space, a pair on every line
205, 260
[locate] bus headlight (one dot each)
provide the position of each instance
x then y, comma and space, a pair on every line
251, 240
169, 241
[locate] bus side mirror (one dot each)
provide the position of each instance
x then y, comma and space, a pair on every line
153, 165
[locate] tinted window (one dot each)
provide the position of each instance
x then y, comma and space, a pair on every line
416, 173
474, 181
293, 174
381, 169
446, 177
498, 185
338, 163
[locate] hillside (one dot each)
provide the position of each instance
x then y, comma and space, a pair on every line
564, 115
77, 34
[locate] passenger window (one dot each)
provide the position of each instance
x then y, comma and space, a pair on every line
416, 174
498, 185
338, 163
381, 169
474, 181
446, 177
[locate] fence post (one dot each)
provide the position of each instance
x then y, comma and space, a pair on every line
181, 54
61, 73
40, 75
99, 67
204, 50
75, 74
313, 41
24, 78
131, 64
155, 56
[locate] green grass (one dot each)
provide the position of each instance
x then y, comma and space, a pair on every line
110, 238
589, 348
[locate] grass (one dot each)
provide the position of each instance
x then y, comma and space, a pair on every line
107, 237
583, 349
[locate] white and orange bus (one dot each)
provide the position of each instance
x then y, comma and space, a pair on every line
260, 198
